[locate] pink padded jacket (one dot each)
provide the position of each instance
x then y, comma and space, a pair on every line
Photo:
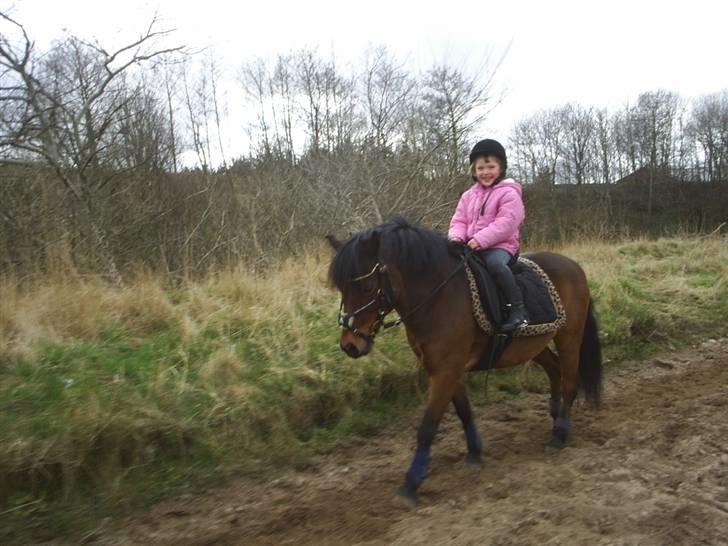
492, 216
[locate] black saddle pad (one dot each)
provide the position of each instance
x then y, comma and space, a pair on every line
536, 295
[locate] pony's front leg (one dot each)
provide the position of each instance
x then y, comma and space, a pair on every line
442, 389
472, 438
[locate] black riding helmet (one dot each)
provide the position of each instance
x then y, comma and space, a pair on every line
492, 147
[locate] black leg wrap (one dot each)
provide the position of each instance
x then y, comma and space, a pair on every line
420, 462
472, 439
560, 432
554, 407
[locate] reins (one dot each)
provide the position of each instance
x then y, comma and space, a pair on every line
417, 307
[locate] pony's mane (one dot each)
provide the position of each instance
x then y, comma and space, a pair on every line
410, 248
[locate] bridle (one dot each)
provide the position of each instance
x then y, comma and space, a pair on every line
384, 299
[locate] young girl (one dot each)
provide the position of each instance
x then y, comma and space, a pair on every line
488, 217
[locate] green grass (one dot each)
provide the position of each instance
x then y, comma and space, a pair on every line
111, 398
667, 292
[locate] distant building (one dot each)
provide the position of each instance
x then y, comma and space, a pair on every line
645, 174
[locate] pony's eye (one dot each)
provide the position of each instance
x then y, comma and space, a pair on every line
368, 286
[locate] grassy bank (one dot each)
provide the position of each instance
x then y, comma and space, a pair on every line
116, 395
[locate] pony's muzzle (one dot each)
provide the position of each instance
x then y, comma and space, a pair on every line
355, 346
351, 350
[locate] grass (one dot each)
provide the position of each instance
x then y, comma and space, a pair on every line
113, 397
654, 294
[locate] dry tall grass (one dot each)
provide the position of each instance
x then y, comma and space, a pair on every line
64, 307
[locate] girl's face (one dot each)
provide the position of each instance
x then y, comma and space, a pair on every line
487, 169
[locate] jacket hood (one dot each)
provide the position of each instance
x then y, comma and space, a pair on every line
505, 183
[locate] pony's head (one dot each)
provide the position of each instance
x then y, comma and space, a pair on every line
369, 270
356, 271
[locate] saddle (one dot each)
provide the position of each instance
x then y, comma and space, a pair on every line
543, 304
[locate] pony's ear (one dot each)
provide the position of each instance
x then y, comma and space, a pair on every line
371, 241
334, 242
373, 238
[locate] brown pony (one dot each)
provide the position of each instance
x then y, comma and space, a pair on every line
413, 270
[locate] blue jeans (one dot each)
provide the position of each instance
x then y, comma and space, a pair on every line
497, 260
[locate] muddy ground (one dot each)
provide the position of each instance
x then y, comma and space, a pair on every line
650, 468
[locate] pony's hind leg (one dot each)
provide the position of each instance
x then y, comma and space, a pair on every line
472, 438
569, 373
550, 363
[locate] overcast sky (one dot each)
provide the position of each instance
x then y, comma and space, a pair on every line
596, 53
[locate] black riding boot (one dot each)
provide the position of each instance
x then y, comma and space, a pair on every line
517, 315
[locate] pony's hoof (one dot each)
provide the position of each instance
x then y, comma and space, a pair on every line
407, 496
473, 458
557, 443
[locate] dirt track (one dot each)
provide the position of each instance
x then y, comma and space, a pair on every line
650, 468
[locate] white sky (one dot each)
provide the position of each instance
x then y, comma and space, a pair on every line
595, 53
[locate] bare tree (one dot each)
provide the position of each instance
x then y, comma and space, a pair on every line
604, 143
198, 108
526, 150
329, 105
144, 141
214, 74
387, 90
256, 83
709, 128
309, 80
577, 140
282, 87
537, 142
625, 134
656, 113
171, 78
453, 105
556, 145
62, 107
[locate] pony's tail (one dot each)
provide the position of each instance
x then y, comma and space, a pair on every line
590, 359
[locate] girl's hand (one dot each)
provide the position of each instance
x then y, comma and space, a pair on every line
472, 243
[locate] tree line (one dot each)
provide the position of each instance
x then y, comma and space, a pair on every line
578, 144
112, 158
